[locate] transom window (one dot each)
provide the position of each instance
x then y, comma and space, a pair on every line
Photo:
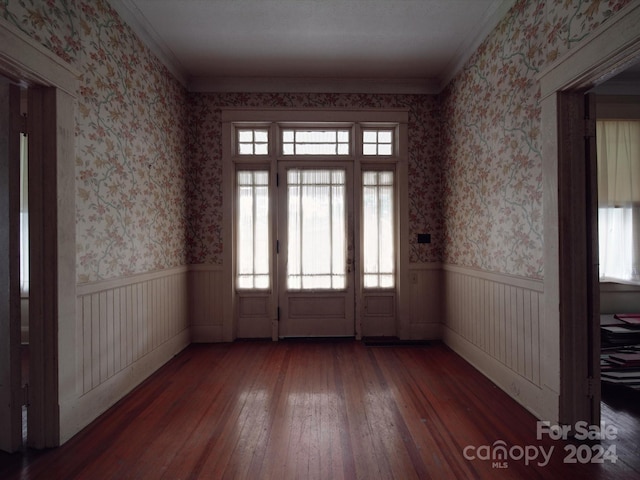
377, 142
316, 141
253, 141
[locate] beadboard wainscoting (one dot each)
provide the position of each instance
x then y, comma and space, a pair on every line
207, 303
424, 310
494, 322
126, 329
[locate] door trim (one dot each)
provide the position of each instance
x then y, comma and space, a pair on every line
273, 116
28, 63
287, 298
604, 53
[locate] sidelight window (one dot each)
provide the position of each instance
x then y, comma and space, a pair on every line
378, 229
253, 230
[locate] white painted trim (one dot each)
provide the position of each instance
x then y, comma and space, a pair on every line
488, 22
406, 86
529, 395
132, 15
77, 412
208, 334
206, 267
315, 115
424, 331
425, 266
24, 59
100, 285
616, 44
271, 117
604, 53
496, 277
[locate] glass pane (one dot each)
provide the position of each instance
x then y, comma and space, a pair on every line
343, 149
384, 150
253, 141
245, 149
245, 136
384, 136
261, 136
377, 142
370, 136
287, 149
316, 227
315, 142
369, 149
253, 230
378, 229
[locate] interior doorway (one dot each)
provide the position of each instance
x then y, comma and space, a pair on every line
603, 54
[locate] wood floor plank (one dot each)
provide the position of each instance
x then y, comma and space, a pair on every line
317, 410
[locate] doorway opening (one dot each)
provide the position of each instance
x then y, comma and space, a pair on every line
618, 241
572, 303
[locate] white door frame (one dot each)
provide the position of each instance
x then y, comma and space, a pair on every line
300, 116
53, 333
332, 298
605, 52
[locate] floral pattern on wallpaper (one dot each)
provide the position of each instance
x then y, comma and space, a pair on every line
130, 138
492, 161
205, 189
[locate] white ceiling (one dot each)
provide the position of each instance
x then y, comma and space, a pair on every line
388, 45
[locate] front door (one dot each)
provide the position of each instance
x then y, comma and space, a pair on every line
316, 250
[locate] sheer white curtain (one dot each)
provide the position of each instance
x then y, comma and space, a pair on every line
618, 153
316, 229
253, 230
24, 217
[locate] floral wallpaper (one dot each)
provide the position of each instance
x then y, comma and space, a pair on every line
205, 188
131, 138
148, 154
492, 164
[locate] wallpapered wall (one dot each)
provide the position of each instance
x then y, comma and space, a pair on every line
148, 171
205, 235
492, 162
131, 140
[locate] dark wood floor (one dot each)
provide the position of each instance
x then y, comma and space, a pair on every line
318, 409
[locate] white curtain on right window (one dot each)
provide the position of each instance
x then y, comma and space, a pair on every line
618, 144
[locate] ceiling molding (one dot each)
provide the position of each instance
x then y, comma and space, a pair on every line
314, 85
132, 15
488, 23
143, 29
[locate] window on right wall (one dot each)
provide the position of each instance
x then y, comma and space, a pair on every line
618, 151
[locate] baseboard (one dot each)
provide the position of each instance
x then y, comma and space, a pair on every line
534, 398
78, 412
206, 333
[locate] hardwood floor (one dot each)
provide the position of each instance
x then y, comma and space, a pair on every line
317, 409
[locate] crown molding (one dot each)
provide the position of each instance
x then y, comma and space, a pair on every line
314, 85
488, 23
134, 18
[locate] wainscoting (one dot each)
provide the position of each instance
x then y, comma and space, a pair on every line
125, 330
206, 303
494, 322
422, 315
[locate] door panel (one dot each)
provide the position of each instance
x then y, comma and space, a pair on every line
316, 294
